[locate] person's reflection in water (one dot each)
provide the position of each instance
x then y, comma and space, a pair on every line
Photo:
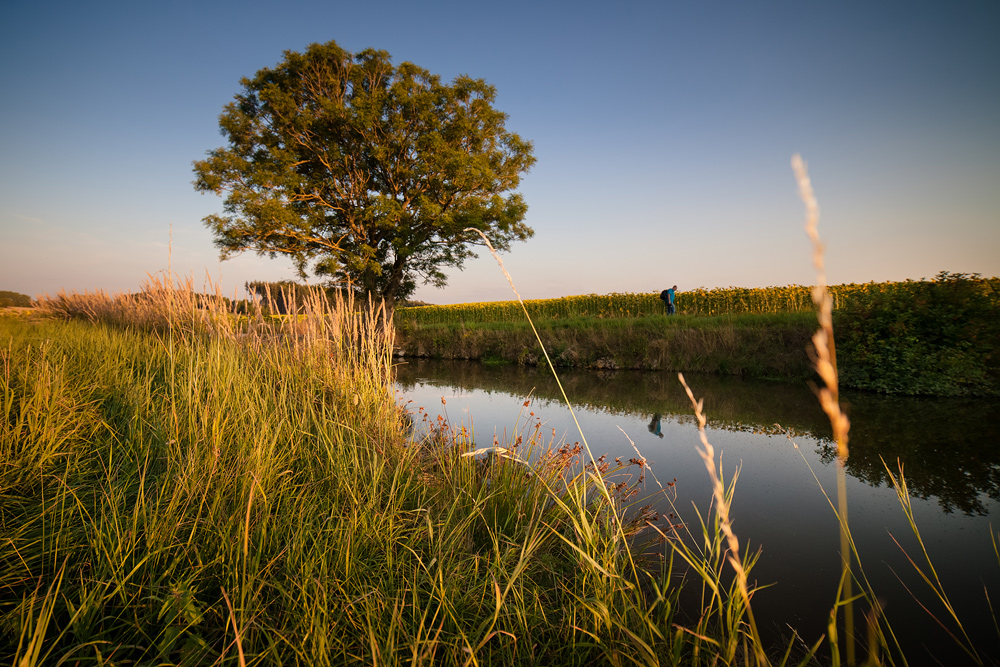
654, 426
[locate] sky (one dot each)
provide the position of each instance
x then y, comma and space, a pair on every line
663, 133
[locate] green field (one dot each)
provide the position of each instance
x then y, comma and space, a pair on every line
181, 488
703, 302
936, 337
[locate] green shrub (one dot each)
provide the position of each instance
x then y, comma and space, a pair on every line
935, 337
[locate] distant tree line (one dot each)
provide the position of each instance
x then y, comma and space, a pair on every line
14, 299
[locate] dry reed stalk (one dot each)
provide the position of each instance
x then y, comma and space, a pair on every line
707, 454
164, 303
339, 335
236, 629
826, 356
825, 360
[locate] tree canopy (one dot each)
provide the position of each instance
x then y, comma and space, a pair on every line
11, 299
366, 173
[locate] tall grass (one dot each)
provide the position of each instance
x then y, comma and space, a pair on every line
825, 360
181, 486
178, 490
163, 470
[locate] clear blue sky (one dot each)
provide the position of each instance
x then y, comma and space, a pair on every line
663, 132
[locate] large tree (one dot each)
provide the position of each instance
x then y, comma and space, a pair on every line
367, 173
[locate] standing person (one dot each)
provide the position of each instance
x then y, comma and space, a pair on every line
668, 299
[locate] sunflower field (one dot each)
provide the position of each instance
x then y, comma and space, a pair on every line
701, 302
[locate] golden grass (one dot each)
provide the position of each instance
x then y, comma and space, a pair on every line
826, 366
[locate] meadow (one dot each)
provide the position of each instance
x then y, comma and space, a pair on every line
183, 486
178, 491
180, 486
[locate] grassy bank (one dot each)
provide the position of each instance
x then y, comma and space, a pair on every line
177, 489
175, 493
767, 346
936, 337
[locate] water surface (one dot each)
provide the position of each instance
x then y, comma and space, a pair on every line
774, 433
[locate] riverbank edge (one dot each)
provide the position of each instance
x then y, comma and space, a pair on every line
771, 350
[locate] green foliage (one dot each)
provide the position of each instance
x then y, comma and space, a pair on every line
935, 337
370, 171
14, 299
195, 499
770, 346
939, 337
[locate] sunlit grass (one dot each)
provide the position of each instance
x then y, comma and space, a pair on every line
177, 494
182, 486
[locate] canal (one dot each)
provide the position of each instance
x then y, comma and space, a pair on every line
780, 440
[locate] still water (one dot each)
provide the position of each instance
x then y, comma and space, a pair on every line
774, 433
